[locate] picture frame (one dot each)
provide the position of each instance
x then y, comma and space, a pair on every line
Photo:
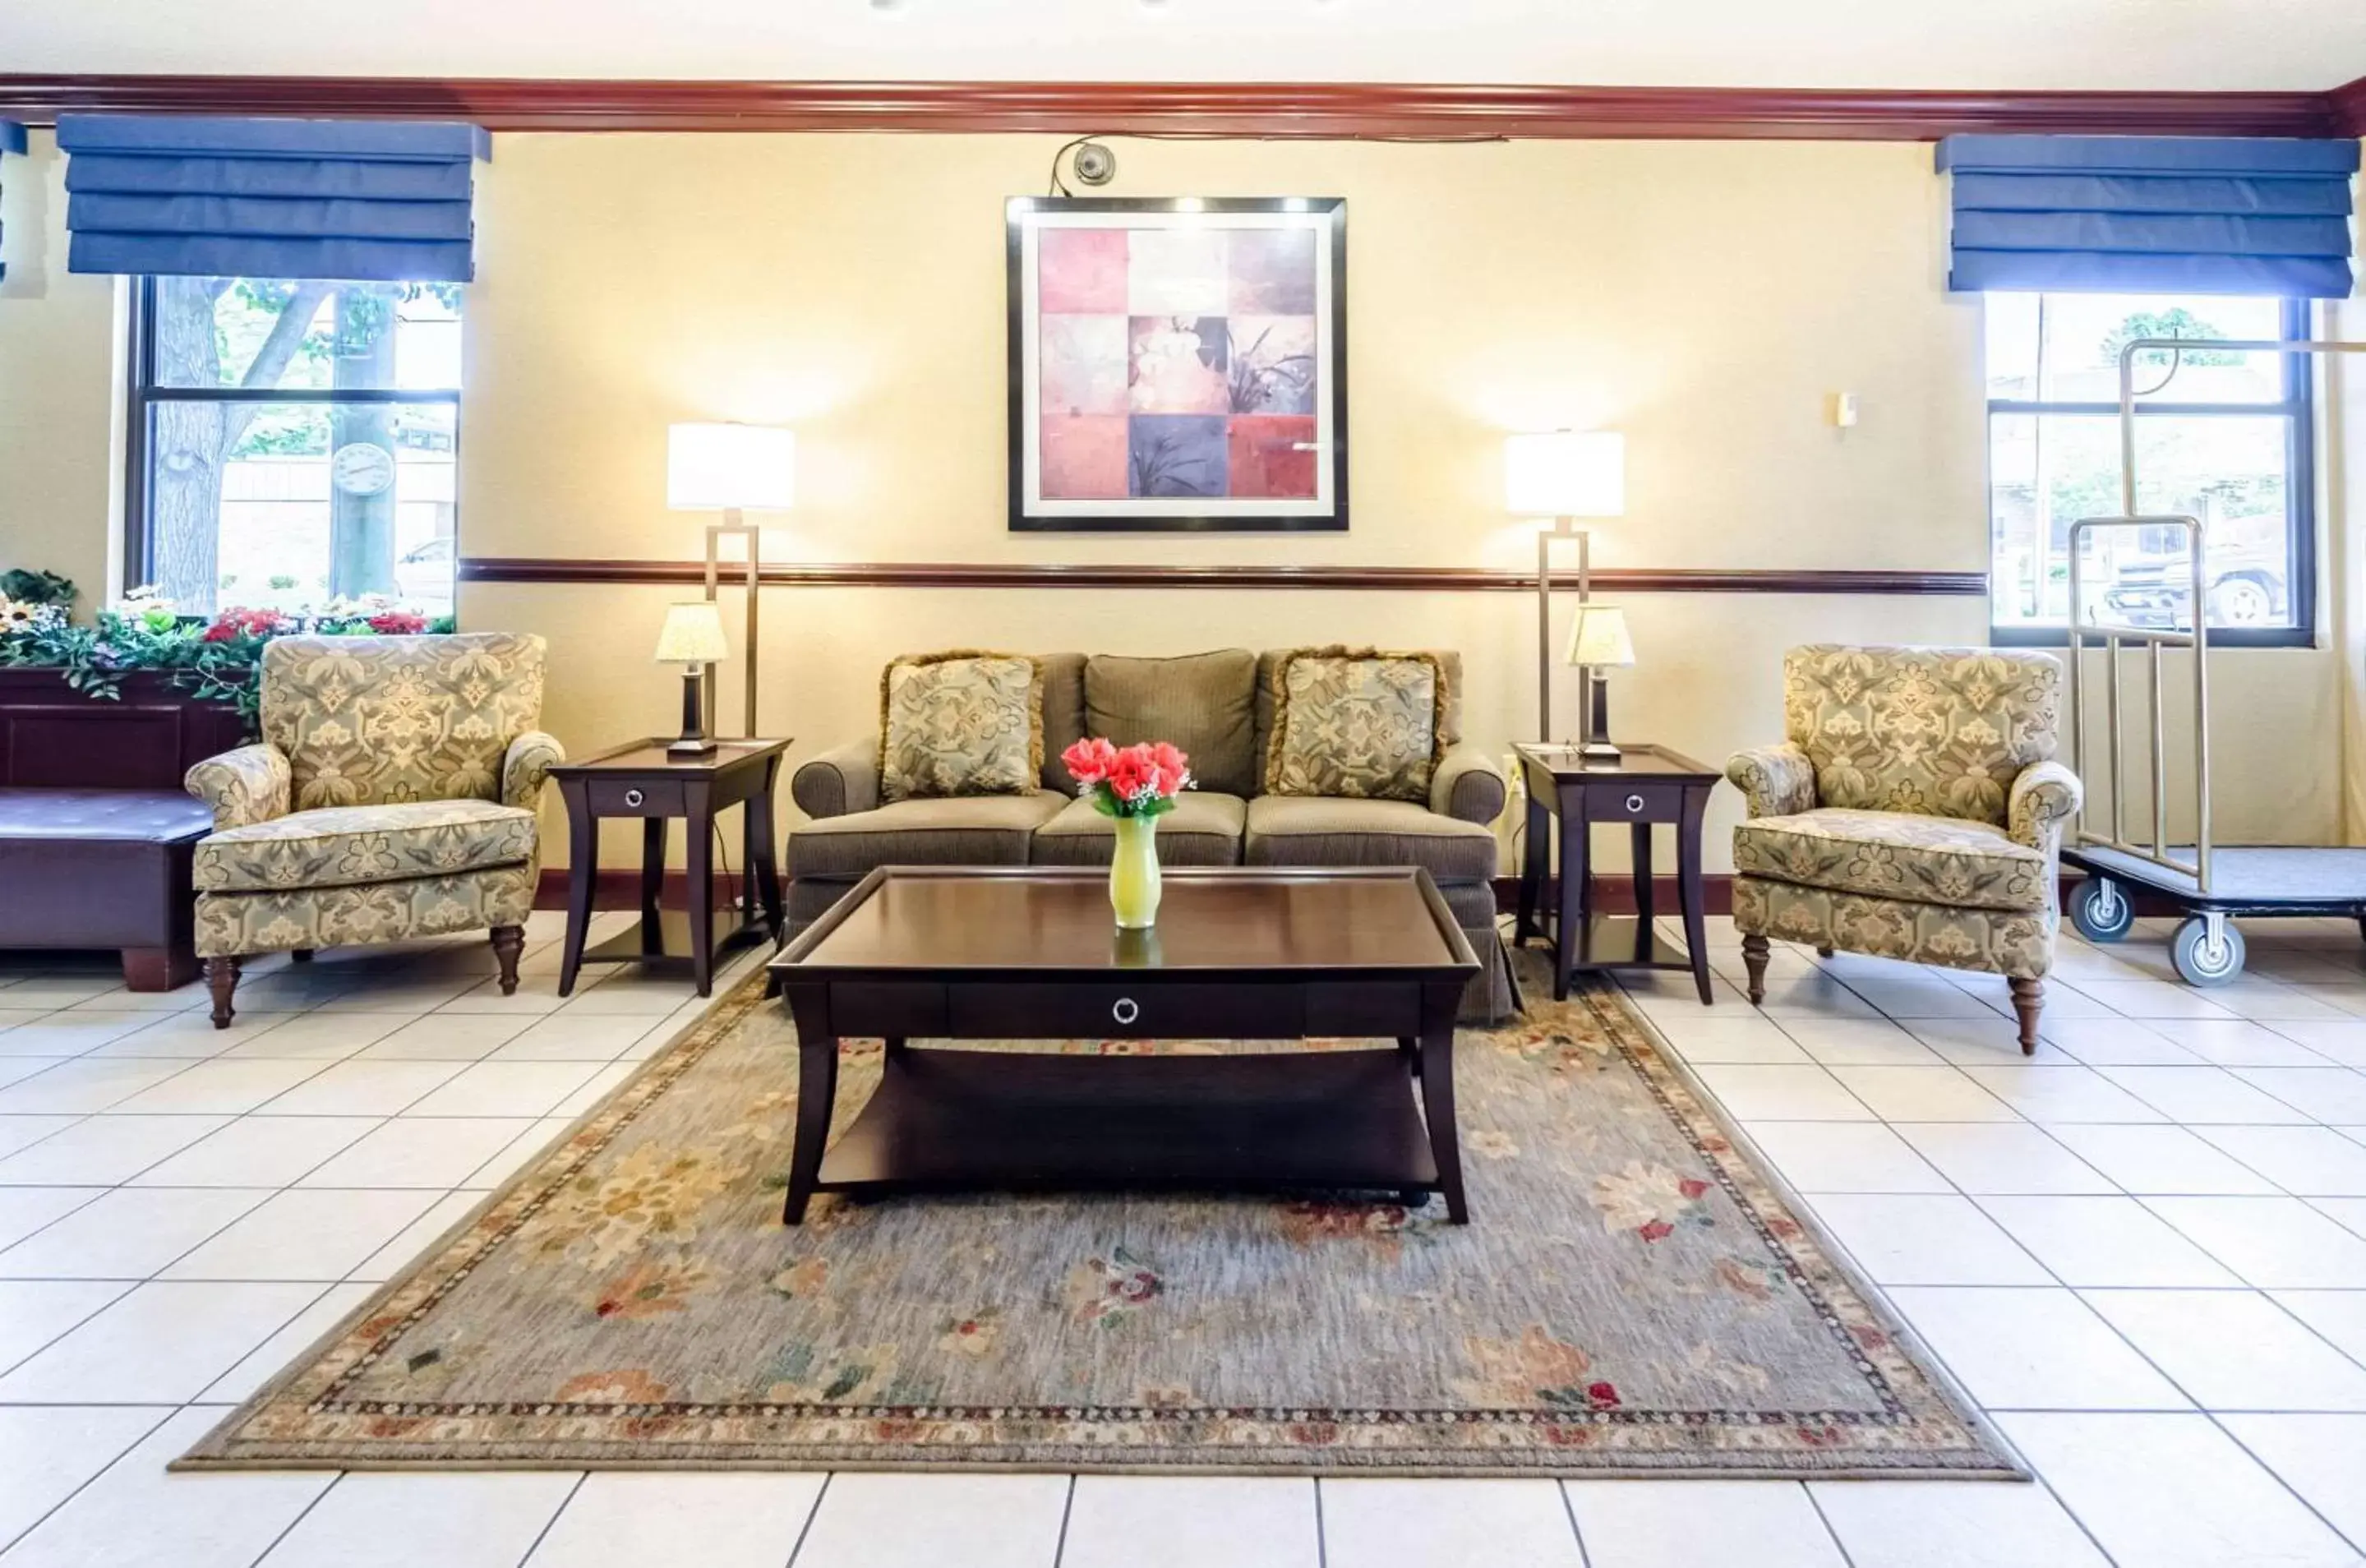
1177, 365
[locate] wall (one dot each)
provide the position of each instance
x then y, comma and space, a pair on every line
1705, 298
57, 376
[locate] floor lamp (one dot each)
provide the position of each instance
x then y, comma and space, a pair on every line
734, 470
1563, 475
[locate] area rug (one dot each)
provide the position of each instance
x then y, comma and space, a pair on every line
1633, 1296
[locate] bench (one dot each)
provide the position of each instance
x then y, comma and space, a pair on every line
97, 868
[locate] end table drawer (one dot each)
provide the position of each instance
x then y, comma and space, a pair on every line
1612, 802
625, 797
1115, 1009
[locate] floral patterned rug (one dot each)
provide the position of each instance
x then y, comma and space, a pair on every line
1633, 1296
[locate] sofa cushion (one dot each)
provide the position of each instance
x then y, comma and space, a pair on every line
1895, 854
358, 846
1204, 828
1205, 703
1943, 731
976, 829
366, 719
961, 723
1355, 722
1313, 830
1064, 714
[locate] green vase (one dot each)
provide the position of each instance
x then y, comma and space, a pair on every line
1134, 872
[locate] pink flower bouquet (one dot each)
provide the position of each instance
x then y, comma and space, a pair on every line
1132, 781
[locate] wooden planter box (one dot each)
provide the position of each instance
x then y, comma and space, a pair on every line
52, 736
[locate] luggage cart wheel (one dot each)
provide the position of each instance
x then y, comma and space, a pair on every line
2100, 911
2207, 950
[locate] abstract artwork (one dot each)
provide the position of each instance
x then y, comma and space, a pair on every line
1178, 363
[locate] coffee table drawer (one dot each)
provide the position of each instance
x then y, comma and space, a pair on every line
1386, 1009
1116, 1010
896, 1011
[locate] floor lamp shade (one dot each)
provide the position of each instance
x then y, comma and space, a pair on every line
730, 467
1566, 473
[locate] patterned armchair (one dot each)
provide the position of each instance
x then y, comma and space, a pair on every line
392, 796
1913, 813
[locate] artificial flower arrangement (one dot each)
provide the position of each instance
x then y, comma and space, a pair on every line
1136, 785
215, 658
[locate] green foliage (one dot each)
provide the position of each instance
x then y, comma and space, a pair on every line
29, 587
2177, 322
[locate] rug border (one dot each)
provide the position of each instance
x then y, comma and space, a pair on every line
738, 997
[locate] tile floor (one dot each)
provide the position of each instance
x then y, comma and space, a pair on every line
2144, 1250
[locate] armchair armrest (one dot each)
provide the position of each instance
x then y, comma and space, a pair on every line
526, 765
1775, 780
250, 784
838, 783
2044, 796
1467, 787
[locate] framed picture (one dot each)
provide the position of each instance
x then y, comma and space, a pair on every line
1178, 363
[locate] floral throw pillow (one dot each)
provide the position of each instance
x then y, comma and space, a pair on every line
960, 723
1355, 722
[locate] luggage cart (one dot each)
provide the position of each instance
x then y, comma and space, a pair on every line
2213, 884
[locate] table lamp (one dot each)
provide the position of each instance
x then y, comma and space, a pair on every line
692, 637
1563, 475
1598, 641
732, 469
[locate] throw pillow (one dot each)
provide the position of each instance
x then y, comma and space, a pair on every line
1356, 723
960, 723
1205, 703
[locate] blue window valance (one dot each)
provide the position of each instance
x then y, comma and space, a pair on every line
12, 139
366, 200
2151, 214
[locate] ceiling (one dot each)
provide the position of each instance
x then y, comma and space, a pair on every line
2305, 45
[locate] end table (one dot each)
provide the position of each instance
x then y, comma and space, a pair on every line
638, 779
1646, 784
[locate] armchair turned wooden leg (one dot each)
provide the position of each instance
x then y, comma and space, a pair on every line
508, 943
222, 979
2028, 999
1823, 952
1754, 958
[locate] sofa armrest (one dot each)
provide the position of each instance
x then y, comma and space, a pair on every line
526, 765
250, 784
1775, 781
838, 783
1467, 787
2044, 796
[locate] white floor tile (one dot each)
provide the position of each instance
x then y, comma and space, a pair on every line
2235, 1349
2105, 1241
276, 1354
2274, 1243
428, 1151
2341, 1038
47, 1453
255, 1151
190, 1036
2350, 1212
1446, 1524
162, 1343
1922, 1094
24, 1210
446, 1037
319, 1036
227, 1088
596, 1088
23, 1132
1921, 998
2323, 1458
584, 1039
83, 1086
1843, 1157
1187, 1521
105, 1150
2152, 999
1749, 1039
1951, 1524
128, 1234
363, 1088
2308, 1162
2161, 1159
625, 995
401, 1521
1779, 1094
2059, 1093
2034, 1349
2202, 1095
303, 1235
2336, 1095
1926, 1241
410, 1243
2339, 1317
34, 1312
71, 1034
633, 1520
2237, 1042
2172, 1492
2116, 1041
1678, 1524
909, 1520
506, 1089
2002, 1158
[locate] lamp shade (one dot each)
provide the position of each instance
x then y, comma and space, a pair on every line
713, 467
692, 635
1599, 636
1566, 473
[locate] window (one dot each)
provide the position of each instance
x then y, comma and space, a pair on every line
294, 443
2220, 436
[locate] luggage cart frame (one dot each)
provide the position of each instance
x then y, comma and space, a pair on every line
2210, 883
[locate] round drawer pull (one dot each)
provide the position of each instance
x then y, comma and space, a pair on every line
1125, 1009
1634, 803
633, 797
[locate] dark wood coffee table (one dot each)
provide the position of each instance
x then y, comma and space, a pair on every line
1032, 952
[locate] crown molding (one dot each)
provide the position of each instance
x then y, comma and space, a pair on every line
1336, 110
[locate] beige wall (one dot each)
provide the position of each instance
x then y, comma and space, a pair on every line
57, 376
1705, 298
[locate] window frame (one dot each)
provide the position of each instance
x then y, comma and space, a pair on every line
142, 393
2297, 409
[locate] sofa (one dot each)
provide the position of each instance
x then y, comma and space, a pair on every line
1219, 708
392, 796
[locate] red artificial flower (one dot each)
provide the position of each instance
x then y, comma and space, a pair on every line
237, 623
1089, 761
398, 623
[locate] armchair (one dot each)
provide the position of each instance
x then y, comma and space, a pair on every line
1913, 812
392, 796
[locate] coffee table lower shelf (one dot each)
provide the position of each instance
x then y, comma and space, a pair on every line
945, 1118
